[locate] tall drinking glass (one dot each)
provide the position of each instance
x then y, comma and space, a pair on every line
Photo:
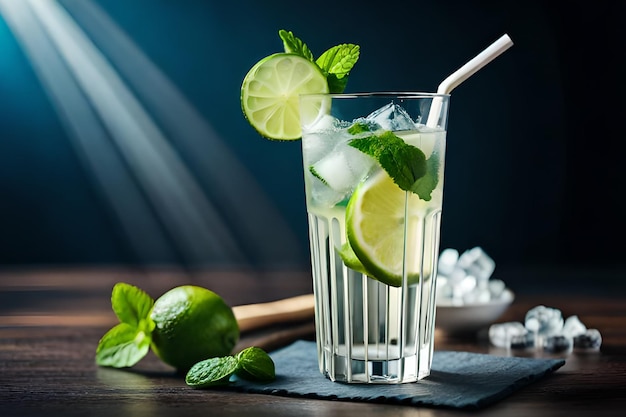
374, 246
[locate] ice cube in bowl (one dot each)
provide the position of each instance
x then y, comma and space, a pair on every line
469, 318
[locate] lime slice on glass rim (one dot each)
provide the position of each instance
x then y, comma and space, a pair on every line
270, 90
375, 225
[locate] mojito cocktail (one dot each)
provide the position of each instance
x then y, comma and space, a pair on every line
373, 173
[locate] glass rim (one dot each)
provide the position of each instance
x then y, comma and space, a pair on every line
379, 94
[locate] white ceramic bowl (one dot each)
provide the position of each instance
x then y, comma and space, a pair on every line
470, 318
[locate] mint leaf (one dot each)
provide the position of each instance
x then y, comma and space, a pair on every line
361, 127
255, 364
404, 163
251, 363
336, 64
130, 304
294, 45
122, 346
425, 185
316, 174
129, 341
336, 85
211, 372
339, 59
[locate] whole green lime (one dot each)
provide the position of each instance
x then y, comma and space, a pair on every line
192, 324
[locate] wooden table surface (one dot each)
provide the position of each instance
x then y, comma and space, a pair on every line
51, 321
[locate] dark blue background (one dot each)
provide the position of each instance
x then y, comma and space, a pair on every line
535, 171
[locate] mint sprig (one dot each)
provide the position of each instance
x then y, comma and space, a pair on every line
211, 372
336, 62
425, 185
252, 363
255, 364
122, 346
130, 304
362, 127
129, 341
294, 45
406, 164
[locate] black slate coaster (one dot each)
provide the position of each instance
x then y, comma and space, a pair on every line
457, 380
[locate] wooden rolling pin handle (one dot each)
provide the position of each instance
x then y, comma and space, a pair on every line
254, 316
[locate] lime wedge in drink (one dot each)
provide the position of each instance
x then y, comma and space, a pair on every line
350, 259
270, 90
375, 225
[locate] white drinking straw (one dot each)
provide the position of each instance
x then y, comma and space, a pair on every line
466, 71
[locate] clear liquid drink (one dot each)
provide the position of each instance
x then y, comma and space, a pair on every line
374, 246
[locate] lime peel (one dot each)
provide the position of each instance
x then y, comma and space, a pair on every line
375, 227
271, 88
270, 92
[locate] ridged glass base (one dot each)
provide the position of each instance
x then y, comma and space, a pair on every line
375, 371
353, 312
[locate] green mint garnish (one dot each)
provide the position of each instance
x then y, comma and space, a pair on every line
252, 363
130, 303
129, 341
211, 372
405, 164
316, 174
122, 346
359, 127
336, 63
294, 45
425, 185
255, 364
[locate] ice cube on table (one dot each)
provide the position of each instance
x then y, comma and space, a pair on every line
523, 341
573, 327
392, 117
590, 340
500, 334
544, 321
557, 343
